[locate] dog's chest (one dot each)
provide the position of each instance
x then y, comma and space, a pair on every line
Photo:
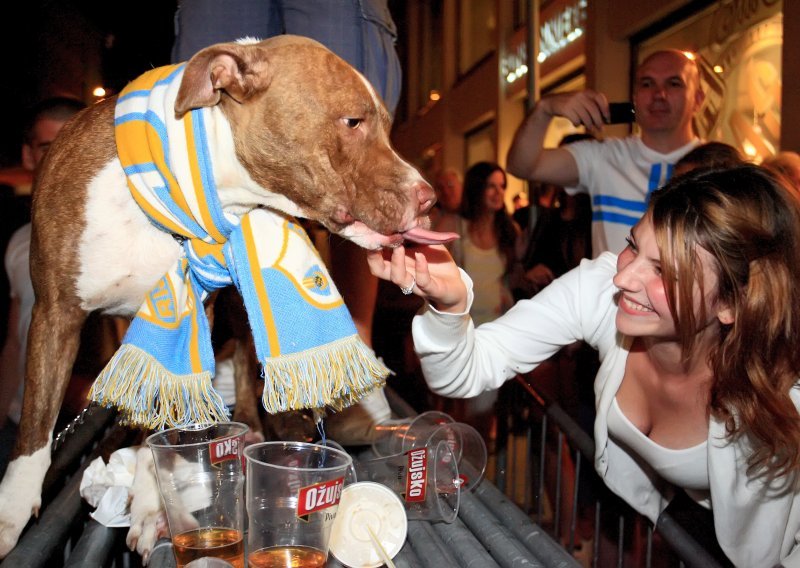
121, 254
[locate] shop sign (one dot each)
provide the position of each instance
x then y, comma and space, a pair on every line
564, 23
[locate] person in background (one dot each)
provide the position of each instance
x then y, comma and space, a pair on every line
449, 189
41, 127
618, 173
363, 33
787, 164
488, 240
487, 251
521, 201
711, 155
561, 235
697, 323
15, 211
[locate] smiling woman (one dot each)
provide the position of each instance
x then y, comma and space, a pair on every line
696, 323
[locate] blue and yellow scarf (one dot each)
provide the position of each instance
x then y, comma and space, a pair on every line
304, 336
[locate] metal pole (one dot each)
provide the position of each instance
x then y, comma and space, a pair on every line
532, 54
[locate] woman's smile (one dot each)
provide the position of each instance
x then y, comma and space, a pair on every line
633, 307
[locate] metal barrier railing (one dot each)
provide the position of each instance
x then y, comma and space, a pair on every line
63, 535
498, 517
524, 472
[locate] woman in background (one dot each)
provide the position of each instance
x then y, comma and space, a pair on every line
487, 249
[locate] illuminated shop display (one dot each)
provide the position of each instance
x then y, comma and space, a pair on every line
738, 46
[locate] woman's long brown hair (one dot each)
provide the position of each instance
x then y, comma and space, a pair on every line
750, 223
472, 206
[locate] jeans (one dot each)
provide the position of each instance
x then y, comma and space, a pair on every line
361, 32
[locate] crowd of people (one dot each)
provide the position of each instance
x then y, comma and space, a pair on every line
650, 282
687, 293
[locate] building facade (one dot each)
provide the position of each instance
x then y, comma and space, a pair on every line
468, 80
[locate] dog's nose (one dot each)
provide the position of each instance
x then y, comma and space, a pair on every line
425, 196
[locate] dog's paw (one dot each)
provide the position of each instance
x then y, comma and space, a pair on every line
148, 522
12, 521
13, 518
21, 496
145, 532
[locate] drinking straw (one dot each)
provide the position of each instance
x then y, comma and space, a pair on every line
380, 550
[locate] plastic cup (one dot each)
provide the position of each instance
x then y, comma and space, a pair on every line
467, 444
390, 436
426, 479
365, 508
201, 480
293, 493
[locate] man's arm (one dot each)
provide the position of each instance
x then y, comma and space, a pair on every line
528, 159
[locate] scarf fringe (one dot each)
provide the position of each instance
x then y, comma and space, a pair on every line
337, 375
148, 395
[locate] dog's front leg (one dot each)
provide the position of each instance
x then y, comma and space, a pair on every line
52, 346
148, 521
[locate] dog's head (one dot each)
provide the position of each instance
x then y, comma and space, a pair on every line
311, 128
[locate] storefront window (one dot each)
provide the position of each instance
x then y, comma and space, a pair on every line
738, 47
477, 32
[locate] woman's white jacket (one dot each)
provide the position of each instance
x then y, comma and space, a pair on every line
756, 522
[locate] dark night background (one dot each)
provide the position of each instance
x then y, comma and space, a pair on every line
67, 47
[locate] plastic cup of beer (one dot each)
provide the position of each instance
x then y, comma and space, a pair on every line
426, 479
389, 436
293, 492
467, 444
201, 480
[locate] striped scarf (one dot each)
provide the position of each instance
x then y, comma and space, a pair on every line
304, 336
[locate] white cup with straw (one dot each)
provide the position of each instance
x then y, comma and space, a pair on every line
370, 526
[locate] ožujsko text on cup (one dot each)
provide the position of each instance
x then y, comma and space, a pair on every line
390, 436
201, 480
466, 442
426, 479
293, 492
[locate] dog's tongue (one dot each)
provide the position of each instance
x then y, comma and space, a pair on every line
426, 237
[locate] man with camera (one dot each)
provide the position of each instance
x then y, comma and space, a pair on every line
618, 173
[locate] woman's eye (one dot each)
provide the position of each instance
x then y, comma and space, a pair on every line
631, 245
352, 123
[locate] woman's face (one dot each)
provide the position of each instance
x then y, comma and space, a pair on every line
643, 308
494, 194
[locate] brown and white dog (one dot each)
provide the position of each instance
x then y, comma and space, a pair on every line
300, 131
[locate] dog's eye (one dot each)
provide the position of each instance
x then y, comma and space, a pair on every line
352, 123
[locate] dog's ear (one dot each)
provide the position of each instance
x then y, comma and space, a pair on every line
239, 70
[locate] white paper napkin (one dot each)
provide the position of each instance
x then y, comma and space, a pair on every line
107, 487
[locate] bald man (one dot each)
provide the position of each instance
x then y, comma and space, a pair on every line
618, 173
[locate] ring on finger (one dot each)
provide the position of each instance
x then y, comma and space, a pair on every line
406, 290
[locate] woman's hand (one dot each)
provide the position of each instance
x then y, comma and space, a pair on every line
428, 270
